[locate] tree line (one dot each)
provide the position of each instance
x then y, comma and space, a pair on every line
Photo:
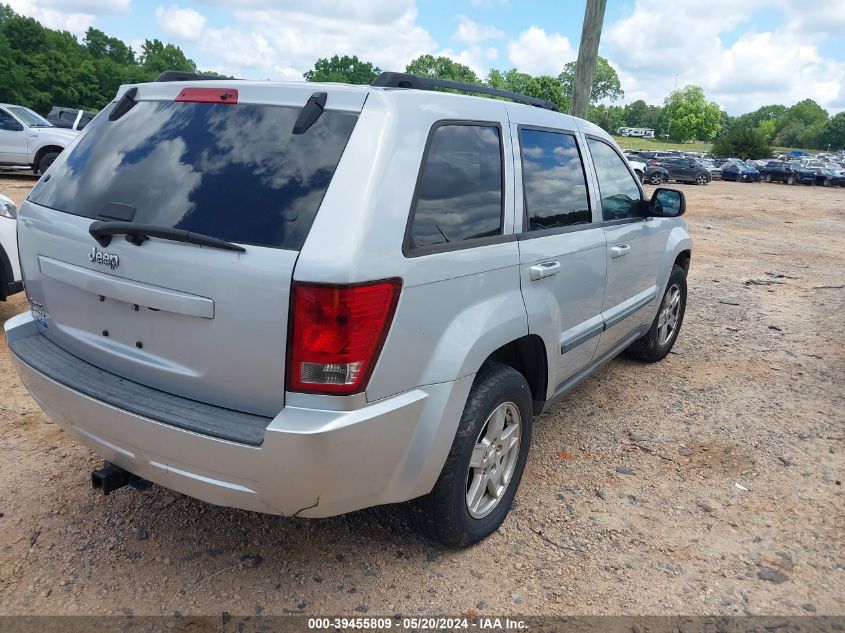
685, 114
43, 68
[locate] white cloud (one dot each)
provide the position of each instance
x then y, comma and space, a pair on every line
651, 47
360, 11
539, 53
473, 33
68, 15
94, 7
75, 22
267, 40
182, 23
824, 19
764, 68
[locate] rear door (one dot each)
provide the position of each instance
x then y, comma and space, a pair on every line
196, 321
561, 247
12, 140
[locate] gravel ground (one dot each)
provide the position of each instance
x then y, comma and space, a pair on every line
709, 483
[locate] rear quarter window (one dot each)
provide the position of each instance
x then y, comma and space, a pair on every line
459, 192
234, 172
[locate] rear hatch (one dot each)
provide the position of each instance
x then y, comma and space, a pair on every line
194, 320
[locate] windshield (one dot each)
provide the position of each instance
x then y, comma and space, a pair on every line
234, 172
28, 117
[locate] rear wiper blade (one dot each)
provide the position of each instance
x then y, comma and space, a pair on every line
138, 233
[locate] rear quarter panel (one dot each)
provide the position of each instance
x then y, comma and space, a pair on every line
456, 307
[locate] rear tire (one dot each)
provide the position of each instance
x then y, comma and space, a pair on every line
656, 178
768, 178
46, 161
790, 180
661, 336
446, 513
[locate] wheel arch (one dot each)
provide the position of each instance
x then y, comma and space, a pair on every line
527, 355
45, 150
683, 260
6, 275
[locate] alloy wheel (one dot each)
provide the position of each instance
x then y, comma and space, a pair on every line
493, 460
669, 315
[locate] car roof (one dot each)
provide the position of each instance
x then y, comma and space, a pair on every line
359, 92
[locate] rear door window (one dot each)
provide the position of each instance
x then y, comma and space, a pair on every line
554, 184
234, 172
459, 193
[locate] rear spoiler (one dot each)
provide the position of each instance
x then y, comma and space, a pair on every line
181, 75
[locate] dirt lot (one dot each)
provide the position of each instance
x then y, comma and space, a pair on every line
630, 504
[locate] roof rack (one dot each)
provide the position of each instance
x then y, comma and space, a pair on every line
181, 75
407, 80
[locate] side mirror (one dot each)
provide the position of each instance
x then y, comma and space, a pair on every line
667, 203
11, 125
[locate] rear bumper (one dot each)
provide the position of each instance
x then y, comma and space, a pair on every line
311, 463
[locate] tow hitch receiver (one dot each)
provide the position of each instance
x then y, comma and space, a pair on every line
111, 477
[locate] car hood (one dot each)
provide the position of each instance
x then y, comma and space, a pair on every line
58, 135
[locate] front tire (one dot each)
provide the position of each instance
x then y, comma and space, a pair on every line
476, 487
701, 179
46, 161
661, 336
790, 180
768, 178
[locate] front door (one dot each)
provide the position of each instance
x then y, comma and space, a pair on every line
561, 248
635, 245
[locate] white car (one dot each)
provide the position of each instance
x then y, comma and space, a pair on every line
29, 140
10, 271
637, 165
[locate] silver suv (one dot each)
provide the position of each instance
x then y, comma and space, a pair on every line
305, 299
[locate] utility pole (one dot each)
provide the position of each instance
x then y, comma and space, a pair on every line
585, 68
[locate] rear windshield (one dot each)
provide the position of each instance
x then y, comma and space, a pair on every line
234, 172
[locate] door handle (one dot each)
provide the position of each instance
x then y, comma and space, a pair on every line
619, 250
546, 269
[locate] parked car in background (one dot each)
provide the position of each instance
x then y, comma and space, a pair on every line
837, 179
824, 177
408, 364
29, 140
10, 271
715, 172
802, 174
778, 171
740, 172
637, 165
790, 173
684, 169
72, 118
655, 175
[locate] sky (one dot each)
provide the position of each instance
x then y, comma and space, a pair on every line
743, 53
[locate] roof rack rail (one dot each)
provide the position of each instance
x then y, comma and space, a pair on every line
181, 75
407, 80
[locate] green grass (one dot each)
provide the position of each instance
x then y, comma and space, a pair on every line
647, 144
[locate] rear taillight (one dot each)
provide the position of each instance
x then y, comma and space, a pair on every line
337, 333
